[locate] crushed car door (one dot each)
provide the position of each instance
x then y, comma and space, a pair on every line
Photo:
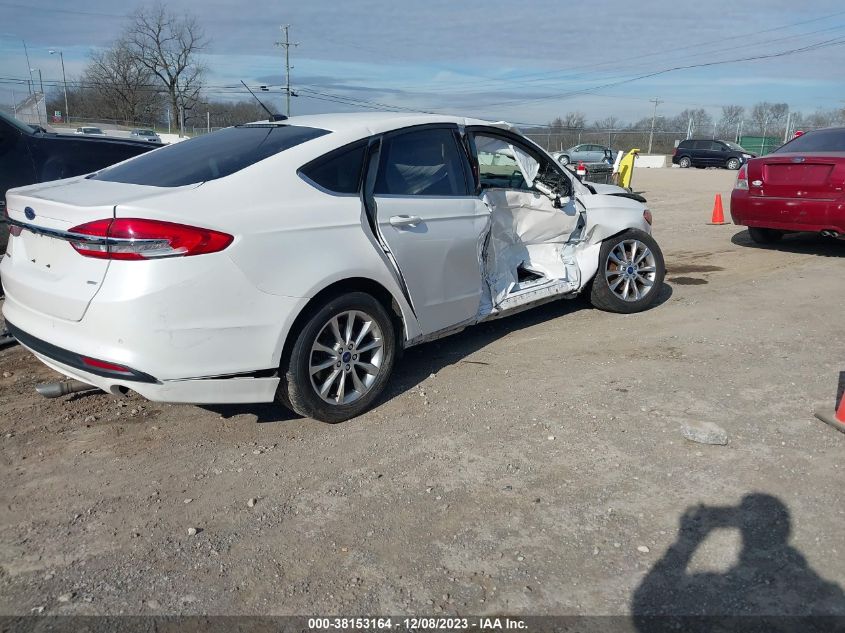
430, 223
529, 242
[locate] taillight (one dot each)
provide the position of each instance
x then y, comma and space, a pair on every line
14, 230
648, 217
134, 239
103, 365
742, 178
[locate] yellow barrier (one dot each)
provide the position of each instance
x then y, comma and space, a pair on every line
625, 173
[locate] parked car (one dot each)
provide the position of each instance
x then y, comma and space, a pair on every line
798, 187
91, 131
293, 260
29, 156
710, 153
585, 153
146, 135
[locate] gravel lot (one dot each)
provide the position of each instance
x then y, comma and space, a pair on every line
534, 465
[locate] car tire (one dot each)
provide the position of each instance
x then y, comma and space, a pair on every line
608, 289
684, 162
764, 236
733, 164
353, 377
563, 160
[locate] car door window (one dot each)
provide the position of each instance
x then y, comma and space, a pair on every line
422, 163
716, 146
497, 164
339, 171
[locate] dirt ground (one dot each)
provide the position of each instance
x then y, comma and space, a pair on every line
533, 465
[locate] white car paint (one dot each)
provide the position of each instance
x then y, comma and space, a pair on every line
204, 326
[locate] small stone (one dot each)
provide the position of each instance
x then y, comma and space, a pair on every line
251, 503
153, 604
192, 531
595, 551
37, 610
7, 374
90, 418
705, 433
520, 558
257, 451
643, 549
133, 412
617, 545
187, 501
66, 597
550, 438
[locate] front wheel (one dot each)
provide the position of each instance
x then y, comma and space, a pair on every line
630, 274
564, 160
684, 162
341, 361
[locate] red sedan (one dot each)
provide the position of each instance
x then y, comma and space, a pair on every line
798, 187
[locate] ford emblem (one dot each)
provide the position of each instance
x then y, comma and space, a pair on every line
29, 212
798, 159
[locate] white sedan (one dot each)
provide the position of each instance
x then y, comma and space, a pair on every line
292, 260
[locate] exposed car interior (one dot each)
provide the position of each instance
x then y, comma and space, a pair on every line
525, 250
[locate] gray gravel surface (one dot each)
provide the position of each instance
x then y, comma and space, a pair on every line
533, 465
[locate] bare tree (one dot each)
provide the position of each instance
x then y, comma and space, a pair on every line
122, 85
168, 46
732, 115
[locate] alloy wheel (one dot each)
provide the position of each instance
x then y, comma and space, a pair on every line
630, 270
346, 357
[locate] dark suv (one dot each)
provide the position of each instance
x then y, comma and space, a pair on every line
710, 153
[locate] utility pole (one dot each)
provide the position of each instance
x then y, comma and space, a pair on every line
64, 80
788, 123
286, 44
28, 65
656, 103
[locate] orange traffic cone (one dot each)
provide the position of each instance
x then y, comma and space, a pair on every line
836, 419
718, 214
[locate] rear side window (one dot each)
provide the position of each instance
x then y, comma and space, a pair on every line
422, 163
816, 141
338, 171
210, 156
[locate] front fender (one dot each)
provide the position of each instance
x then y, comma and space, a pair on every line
608, 215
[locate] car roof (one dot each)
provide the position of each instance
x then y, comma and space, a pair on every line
369, 123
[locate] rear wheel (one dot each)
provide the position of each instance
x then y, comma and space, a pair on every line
630, 273
764, 236
734, 164
684, 162
564, 160
341, 361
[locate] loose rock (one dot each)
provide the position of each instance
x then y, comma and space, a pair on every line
251, 503
643, 549
66, 597
192, 531
705, 433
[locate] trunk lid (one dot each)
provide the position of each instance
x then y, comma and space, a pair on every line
44, 272
797, 176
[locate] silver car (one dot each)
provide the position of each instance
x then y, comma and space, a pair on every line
146, 135
584, 153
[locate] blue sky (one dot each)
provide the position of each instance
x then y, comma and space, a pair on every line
522, 61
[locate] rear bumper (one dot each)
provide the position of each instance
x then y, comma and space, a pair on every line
786, 213
235, 389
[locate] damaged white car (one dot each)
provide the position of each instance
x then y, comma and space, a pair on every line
292, 260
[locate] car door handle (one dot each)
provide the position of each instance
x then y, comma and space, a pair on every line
405, 220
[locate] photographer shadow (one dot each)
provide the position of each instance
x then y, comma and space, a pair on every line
770, 580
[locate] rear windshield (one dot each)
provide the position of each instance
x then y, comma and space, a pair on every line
210, 156
816, 141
